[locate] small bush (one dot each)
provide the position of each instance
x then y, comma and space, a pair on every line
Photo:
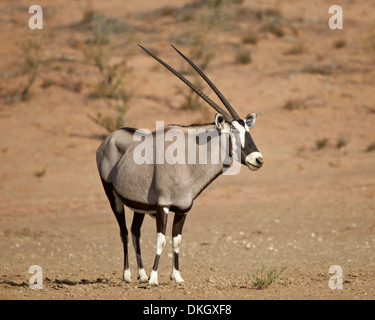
110, 85
294, 104
296, 49
32, 61
94, 20
262, 279
321, 143
243, 57
250, 39
338, 44
261, 15
275, 27
342, 142
371, 147
323, 70
112, 122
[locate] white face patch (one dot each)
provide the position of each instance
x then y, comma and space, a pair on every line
241, 131
238, 140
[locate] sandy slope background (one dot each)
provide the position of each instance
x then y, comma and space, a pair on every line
310, 207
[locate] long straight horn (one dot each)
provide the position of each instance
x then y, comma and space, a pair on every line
209, 82
226, 116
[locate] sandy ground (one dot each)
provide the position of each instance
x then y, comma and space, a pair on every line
308, 208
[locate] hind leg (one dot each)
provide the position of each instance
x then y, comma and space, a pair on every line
136, 234
118, 209
178, 223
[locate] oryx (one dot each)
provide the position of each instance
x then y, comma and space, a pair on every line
157, 188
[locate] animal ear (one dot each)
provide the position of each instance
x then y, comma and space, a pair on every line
250, 120
219, 121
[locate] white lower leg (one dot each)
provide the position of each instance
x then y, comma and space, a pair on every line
176, 241
160, 243
127, 275
153, 280
176, 275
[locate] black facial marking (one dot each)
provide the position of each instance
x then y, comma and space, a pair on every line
249, 145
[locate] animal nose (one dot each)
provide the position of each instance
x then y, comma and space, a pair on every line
259, 161
254, 161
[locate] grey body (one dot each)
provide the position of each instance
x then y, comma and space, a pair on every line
159, 187
150, 185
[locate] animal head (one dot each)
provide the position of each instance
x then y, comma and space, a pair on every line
244, 149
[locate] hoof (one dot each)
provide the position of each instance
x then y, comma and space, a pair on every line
176, 276
127, 276
142, 276
153, 280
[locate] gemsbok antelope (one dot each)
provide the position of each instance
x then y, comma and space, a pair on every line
158, 187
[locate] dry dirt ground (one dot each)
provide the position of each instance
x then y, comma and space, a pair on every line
310, 207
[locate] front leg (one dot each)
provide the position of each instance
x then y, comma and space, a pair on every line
161, 225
